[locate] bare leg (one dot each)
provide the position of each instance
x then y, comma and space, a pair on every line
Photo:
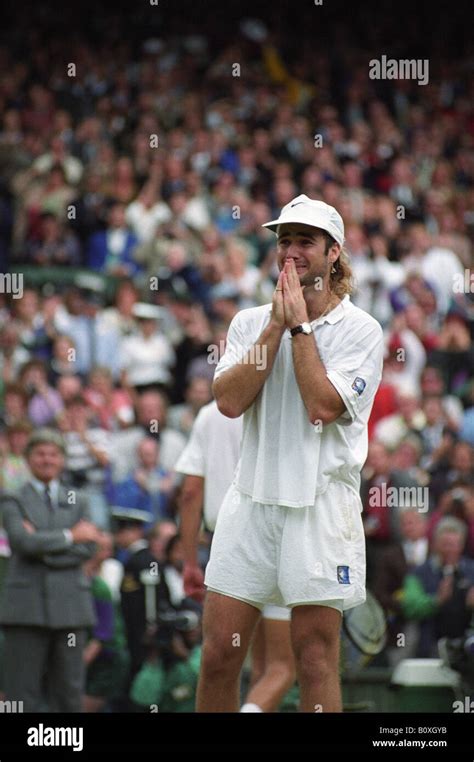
279, 671
257, 651
228, 625
315, 632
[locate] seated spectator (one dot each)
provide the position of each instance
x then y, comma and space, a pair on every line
15, 405
63, 361
408, 417
458, 502
31, 322
147, 355
198, 393
56, 245
151, 420
45, 403
110, 251
146, 213
120, 316
439, 594
87, 457
82, 319
148, 487
69, 387
432, 383
393, 564
452, 463
12, 355
112, 406
14, 471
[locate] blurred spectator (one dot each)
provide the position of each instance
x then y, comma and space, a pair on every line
146, 355
81, 318
173, 569
54, 245
111, 250
87, 457
112, 406
63, 362
129, 535
45, 402
159, 536
394, 563
146, 213
105, 654
408, 417
151, 414
197, 394
457, 502
120, 316
14, 471
15, 405
12, 355
148, 487
439, 594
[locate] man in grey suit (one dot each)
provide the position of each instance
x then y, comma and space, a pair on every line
46, 604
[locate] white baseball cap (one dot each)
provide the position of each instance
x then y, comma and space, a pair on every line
308, 211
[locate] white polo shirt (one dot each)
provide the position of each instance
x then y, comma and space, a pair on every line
285, 459
212, 452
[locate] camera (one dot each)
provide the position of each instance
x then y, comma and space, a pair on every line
458, 653
170, 622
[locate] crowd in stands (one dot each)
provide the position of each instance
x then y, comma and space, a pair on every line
132, 199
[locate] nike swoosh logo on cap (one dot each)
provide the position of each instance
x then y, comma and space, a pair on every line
298, 202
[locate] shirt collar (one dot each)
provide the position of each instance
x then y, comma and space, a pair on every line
335, 315
53, 488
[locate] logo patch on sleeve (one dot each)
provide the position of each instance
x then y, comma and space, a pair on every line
359, 385
343, 575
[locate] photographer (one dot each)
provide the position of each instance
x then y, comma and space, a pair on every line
440, 593
168, 678
459, 503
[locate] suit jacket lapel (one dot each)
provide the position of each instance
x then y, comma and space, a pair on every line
33, 506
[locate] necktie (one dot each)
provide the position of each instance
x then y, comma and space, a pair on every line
47, 498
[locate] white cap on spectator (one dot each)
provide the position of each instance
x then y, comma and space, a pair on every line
308, 211
146, 311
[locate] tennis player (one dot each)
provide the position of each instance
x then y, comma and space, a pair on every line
289, 532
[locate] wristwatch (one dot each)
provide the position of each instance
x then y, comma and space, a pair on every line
303, 328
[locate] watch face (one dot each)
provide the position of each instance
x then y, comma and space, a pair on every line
306, 328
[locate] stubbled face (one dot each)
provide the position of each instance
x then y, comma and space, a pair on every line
306, 245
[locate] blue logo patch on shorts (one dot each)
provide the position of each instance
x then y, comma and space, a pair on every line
343, 575
358, 385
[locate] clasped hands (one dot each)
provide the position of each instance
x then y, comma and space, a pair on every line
288, 306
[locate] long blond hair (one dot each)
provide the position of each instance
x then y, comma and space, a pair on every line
341, 281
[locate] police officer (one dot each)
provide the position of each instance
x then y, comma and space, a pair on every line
144, 592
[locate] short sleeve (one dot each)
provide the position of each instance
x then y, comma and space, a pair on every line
238, 342
355, 370
191, 462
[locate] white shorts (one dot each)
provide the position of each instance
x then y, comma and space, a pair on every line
278, 613
272, 554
